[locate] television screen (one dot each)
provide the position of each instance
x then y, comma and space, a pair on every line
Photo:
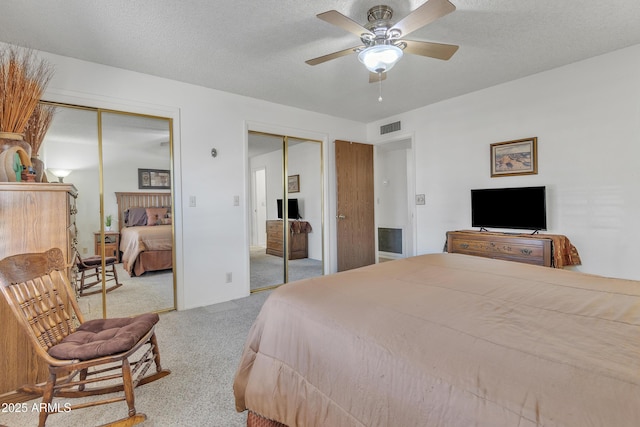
522, 208
292, 209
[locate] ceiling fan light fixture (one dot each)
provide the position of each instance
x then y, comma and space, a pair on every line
380, 58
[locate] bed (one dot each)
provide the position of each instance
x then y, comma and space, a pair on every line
146, 231
445, 340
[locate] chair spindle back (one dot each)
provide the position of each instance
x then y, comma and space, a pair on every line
37, 290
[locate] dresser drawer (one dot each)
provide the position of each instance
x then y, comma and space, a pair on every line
511, 248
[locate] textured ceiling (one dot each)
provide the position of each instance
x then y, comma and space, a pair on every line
258, 48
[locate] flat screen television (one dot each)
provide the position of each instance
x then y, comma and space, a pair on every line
521, 208
292, 209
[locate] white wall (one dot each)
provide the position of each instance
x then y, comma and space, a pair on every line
211, 238
587, 119
392, 210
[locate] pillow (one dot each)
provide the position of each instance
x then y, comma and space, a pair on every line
135, 216
165, 221
155, 215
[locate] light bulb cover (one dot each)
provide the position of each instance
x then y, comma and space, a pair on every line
60, 173
380, 58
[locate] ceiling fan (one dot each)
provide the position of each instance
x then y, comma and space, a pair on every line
383, 43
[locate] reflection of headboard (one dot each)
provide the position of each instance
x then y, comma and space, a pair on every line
143, 200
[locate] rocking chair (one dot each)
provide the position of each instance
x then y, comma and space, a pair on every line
81, 355
90, 274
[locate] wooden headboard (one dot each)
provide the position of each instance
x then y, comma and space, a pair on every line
142, 200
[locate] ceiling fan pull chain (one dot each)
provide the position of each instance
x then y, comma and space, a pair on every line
380, 87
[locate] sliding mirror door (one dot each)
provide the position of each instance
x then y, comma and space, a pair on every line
286, 194
137, 181
265, 165
304, 192
70, 150
116, 161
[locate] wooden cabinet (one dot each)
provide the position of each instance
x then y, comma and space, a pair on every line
34, 217
111, 244
519, 248
298, 241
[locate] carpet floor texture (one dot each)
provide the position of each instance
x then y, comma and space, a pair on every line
202, 348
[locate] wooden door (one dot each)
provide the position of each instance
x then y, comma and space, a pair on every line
355, 215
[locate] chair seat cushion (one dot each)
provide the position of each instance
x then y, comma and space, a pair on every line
96, 261
104, 337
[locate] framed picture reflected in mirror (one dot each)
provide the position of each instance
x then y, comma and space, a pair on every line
154, 179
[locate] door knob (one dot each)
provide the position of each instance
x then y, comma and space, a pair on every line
341, 216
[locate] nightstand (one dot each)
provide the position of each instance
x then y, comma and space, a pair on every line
111, 244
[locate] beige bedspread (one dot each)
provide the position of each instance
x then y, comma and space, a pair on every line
134, 240
446, 340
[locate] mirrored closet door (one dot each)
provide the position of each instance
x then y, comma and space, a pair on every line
118, 161
137, 182
286, 209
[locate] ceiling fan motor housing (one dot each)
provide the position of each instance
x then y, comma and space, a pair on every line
380, 27
380, 13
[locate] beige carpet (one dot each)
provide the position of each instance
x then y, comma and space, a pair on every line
202, 348
153, 291
268, 270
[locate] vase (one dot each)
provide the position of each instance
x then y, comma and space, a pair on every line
12, 139
38, 166
15, 155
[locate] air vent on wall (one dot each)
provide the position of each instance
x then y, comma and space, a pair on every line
391, 127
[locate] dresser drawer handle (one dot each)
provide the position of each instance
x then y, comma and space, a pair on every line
464, 245
526, 251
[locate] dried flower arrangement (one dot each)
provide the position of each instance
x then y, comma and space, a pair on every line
23, 79
38, 125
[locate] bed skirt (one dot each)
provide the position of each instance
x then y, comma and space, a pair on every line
255, 420
150, 261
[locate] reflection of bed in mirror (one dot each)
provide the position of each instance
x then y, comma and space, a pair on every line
146, 240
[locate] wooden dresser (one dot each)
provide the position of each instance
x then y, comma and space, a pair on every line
34, 217
111, 244
519, 248
298, 241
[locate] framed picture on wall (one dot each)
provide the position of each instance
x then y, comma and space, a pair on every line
154, 179
518, 157
293, 184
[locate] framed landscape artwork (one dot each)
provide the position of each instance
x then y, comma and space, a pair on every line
154, 179
518, 157
293, 184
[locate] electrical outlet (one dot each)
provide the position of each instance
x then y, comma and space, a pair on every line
236, 200
85, 251
192, 201
420, 199
229, 277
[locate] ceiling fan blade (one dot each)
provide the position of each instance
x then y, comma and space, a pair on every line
336, 18
423, 15
432, 50
334, 55
375, 77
